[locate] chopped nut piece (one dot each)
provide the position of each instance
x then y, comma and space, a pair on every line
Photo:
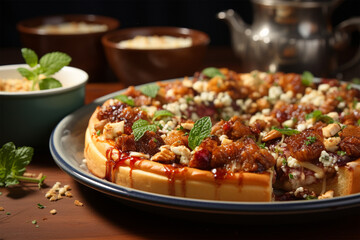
53, 198
78, 203
53, 211
68, 194
328, 194
165, 155
2, 209
271, 135
56, 192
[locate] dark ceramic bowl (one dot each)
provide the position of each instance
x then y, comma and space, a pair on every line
84, 48
138, 66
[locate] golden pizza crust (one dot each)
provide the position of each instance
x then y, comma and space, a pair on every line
187, 182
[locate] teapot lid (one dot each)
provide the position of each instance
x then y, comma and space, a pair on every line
299, 3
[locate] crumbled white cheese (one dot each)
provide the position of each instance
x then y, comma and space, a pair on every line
292, 162
184, 153
327, 160
200, 86
314, 97
324, 87
112, 130
275, 93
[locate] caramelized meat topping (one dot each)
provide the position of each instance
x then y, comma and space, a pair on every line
149, 143
234, 128
122, 112
241, 155
351, 145
283, 112
176, 137
305, 146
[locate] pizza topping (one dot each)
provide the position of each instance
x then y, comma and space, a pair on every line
226, 122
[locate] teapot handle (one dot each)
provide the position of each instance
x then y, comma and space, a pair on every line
349, 25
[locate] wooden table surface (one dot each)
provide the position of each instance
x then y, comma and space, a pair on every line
102, 217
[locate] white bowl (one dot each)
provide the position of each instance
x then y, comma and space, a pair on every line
28, 118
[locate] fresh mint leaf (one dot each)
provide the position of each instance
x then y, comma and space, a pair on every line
13, 162
199, 132
150, 90
212, 72
49, 83
29, 56
125, 99
162, 113
317, 114
140, 127
51, 63
26, 73
286, 131
307, 78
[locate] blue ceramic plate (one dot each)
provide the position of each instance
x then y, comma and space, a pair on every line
67, 144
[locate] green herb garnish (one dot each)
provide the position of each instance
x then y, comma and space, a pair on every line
319, 117
339, 98
12, 165
212, 72
48, 65
286, 131
261, 145
341, 153
307, 78
34, 222
162, 113
40, 206
125, 99
291, 176
201, 130
150, 90
140, 127
310, 197
98, 132
311, 140
355, 80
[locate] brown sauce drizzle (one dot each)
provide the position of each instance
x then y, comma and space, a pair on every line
112, 165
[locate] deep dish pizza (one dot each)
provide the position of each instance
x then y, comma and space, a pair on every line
222, 135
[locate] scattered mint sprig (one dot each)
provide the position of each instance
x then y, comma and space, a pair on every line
212, 72
200, 131
317, 114
307, 78
150, 90
286, 131
125, 99
140, 127
13, 162
162, 113
48, 65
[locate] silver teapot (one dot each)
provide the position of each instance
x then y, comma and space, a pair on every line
292, 36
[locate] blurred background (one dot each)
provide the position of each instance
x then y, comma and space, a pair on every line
197, 14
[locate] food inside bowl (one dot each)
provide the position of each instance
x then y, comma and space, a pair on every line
156, 42
223, 135
16, 85
39, 75
73, 28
